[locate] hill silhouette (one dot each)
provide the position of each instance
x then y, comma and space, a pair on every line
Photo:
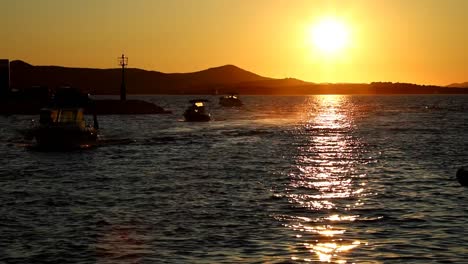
459, 85
223, 79
107, 81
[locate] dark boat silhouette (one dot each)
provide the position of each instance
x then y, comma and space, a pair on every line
197, 111
231, 100
62, 125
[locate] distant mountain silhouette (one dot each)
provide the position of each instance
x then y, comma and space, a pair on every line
107, 81
460, 85
221, 80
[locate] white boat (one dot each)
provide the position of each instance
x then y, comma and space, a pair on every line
197, 111
231, 100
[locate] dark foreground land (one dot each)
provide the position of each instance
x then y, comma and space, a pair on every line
101, 107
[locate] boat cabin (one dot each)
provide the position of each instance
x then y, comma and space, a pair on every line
198, 105
197, 111
62, 116
231, 96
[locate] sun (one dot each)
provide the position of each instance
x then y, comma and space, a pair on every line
330, 36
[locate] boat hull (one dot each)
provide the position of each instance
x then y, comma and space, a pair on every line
196, 117
230, 102
64, 138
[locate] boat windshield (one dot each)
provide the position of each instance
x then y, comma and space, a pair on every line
71, 116
62, 116
67, 116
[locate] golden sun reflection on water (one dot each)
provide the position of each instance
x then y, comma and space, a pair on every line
326, 251
324, 179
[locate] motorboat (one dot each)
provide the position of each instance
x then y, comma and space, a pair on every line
64, 128
62, 124
197, 111
231, 100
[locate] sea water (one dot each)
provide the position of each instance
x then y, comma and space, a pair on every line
332, 178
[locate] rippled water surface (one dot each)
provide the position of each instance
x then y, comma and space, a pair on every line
340, 179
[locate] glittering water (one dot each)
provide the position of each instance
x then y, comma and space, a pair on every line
340, 179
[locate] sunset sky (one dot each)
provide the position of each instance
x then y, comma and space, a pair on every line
418, 41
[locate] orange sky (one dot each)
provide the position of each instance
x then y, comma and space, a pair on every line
419, 41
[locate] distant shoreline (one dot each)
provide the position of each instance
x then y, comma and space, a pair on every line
219, 80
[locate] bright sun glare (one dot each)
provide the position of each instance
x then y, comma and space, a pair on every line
330, 36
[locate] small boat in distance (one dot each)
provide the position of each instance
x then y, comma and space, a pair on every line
231, 100
197, 111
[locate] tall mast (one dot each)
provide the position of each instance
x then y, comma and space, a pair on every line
123, 62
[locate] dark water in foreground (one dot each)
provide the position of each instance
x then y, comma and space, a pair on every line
341, 179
